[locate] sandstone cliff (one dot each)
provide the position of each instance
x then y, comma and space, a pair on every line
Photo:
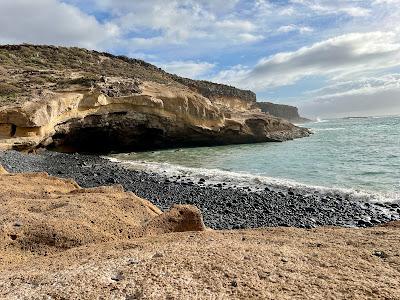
288, 112
75, 99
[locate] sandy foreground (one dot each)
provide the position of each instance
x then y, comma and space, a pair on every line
58, 241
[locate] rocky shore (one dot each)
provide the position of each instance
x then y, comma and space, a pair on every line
222, 206
61, 241
112, 103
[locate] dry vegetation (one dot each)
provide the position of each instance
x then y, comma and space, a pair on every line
27, 69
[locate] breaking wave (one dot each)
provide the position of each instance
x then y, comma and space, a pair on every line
242, 179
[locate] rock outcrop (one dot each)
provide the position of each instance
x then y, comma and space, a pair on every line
288, 112
80, 100
2, 170
47, 215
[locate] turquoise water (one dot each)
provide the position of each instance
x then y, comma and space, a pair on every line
354, 154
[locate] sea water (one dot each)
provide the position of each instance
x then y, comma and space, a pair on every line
360, 156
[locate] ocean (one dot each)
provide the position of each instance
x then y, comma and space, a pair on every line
357, 156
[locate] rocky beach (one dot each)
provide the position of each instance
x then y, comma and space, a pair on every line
77, 223
223, 206
61, 241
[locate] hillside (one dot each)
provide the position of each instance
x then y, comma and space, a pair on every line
25, 68
72, 98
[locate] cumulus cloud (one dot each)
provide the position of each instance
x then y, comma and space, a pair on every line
386, 2
368, 85
292, 27
352, 8
180, 22
335, 58
51, 22
190, 69
132, 25
381, 97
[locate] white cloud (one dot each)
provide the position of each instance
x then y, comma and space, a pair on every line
292, 27
163, 23
349, 7
356, 11
190, 69
51, 22
236, 25
389, 2
248, 37
368, 85
366, 97
232, 75
334, 58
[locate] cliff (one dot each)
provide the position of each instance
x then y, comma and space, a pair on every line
288, 112
80, 100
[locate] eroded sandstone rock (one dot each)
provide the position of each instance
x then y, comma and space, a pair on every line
179, 218
2, 170
115, 103
42, 214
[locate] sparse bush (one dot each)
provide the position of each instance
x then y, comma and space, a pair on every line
84, 81
8, 89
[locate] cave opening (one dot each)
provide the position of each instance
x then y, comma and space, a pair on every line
13, 130
103, 134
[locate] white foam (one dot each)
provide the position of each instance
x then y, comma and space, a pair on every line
329, 129
320, 120
256, 182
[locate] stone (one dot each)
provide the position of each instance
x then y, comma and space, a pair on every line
380, 254
2, 170
158, 255
117, 276
6, 131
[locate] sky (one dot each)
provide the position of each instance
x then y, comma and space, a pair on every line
329, 58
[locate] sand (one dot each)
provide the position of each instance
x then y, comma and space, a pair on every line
58, 241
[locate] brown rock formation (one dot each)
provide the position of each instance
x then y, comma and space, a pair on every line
287, 112
2, 170
84, 100
47, 215
179, 218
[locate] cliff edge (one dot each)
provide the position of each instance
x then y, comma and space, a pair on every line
287, 112
80, 100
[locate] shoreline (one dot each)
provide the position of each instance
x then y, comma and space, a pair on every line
222, 206
246, 181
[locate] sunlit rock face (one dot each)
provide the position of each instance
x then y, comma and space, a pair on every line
107, 103
287, 112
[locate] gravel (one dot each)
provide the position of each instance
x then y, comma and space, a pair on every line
223, 206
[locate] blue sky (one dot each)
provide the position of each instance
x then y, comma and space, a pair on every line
330, 58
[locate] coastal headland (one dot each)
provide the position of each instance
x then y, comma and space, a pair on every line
76, 225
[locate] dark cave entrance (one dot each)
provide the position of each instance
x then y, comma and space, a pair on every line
122, 132
127, 132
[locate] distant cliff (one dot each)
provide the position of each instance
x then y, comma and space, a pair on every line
288, 112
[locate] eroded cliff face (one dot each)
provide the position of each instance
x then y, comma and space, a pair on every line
288, 112
226, 97
77, 112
